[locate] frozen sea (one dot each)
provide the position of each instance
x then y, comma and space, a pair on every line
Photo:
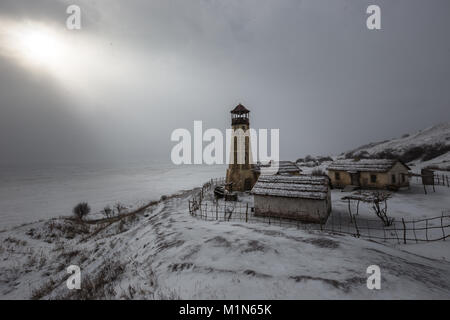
28, 194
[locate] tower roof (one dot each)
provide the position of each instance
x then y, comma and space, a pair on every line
240, 109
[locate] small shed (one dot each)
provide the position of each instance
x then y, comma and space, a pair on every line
427, 176
305, 198
369, 173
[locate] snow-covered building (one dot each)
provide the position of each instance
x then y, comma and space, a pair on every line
303, 197
369, 173
288, 168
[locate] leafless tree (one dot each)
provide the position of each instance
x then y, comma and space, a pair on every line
379, 205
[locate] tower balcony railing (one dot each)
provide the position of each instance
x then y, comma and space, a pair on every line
239, 120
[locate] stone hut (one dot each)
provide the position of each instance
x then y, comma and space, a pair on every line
369, 173
305, 198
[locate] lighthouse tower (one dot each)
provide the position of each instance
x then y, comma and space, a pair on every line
240, 173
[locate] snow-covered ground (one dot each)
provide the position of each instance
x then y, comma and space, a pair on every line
165, 253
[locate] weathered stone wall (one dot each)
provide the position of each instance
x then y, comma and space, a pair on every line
238, 178
344, 180
306, 210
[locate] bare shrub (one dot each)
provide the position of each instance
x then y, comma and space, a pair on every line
108, 212
380, 198
119, 208
81, 210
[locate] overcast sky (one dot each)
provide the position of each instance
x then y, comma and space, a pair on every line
137, 70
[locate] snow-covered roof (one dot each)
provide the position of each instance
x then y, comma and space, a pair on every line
284, 167
303, 186
364, 165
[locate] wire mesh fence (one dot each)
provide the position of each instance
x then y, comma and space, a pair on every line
400, 231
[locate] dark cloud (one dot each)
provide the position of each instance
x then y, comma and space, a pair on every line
37, 122
310, 68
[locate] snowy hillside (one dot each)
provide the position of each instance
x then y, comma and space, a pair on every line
425, 145
164, 253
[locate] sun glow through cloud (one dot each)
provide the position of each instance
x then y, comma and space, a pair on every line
41, 47
77, 60
34, 45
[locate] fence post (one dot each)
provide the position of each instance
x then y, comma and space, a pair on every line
442, 226
246, 213
217, 210
206, 211
396, 234
356, 226
426, 229
350, 211
404, 231
414, 230
332, 223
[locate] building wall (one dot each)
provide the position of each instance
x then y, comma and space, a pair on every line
381, 181
306, 210
238, 177
344, 180
398, 169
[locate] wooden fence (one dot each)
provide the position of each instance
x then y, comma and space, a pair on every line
431, 178
400, 231
204, 206
441, 180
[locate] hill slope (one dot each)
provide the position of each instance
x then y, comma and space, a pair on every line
166, 253
423, 145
